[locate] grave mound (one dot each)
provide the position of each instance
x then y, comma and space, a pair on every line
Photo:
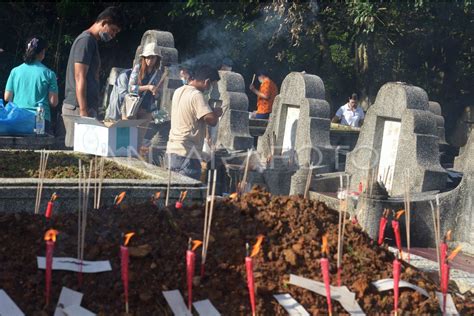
293, 229
24, 164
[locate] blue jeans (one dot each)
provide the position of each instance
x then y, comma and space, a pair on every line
262, 116
185, 166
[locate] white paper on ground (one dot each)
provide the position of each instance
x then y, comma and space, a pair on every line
7, 306
76, 310
291, 305
450, 307
338, 293
387, 284
67, 298
176, 303
74, 264
206, 308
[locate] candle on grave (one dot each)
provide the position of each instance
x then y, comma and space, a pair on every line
382, 225
190, 264
249, 270
50, 238
124, 256
396, 230
396, 282
49, 208
325, 271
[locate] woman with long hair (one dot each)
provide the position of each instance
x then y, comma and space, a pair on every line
144, 81
32, 83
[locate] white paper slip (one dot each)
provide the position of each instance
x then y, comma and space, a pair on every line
350, 304
7, 306
318, 287
338, 293
74, 264
450, 307
176, 303
205, 308
387, 284
291, 305
67, 298
76, 310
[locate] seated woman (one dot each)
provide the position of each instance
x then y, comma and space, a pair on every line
32, 83
119, 90
145, 80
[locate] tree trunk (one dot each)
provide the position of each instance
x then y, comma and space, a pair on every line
327, 58
364, 77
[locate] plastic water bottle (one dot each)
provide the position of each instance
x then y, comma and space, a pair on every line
40, 124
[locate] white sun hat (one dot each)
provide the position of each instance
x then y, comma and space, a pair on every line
151, 49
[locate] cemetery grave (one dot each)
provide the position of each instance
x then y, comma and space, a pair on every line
61, 165
293, 229
323, 249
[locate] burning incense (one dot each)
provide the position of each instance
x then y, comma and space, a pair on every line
206, 209
325, 271
444, 246
396, 282
79, 214
101, 180
190, 263
169, 184
119, 198
41, 174
438, 223
339, 233
407, 210
341, 229
124, 266
396, 230
253, 79
155, 198
243, 184
382, 225
445, 275
50, 238
95, 181
436, 233
308, 181
249, 269
83, 203
182, 196
209, 221
49, 208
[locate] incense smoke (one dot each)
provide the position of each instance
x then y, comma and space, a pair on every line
221, 39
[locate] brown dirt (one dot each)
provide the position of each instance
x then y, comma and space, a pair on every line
293, 228
24, 164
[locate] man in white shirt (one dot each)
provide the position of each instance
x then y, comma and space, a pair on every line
190, 114
350, 114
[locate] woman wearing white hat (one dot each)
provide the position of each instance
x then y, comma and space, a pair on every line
144, 81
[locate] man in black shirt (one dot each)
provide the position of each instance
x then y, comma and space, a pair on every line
82, 74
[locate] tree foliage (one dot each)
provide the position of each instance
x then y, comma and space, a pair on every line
353, 45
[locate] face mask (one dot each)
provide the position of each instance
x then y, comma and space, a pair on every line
184, 81
260, 80
104, 36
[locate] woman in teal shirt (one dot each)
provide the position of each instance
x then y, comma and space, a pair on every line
33, 83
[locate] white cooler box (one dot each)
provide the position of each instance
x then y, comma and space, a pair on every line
118, 139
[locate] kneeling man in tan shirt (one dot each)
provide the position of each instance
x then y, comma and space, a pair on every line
189, 116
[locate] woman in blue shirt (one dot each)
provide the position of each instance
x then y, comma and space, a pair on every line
33, 83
